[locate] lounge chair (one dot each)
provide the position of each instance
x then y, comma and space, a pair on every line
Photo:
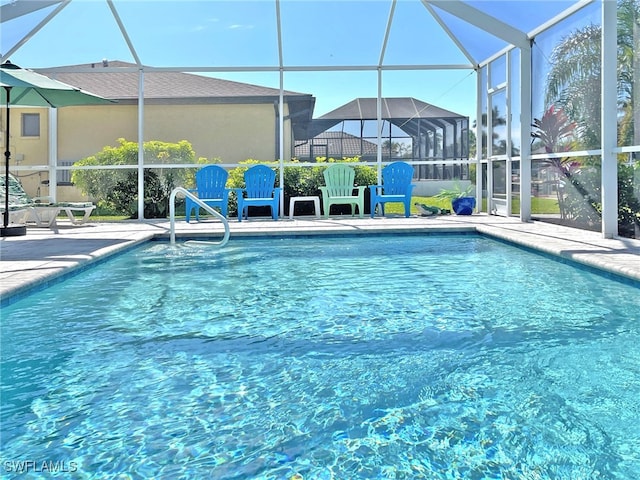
210, 188
259, 190
17, 215
340, 188
396, 187
40, 210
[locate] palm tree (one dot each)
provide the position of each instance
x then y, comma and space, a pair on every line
629, 70
574, 78
497, 120
574, 81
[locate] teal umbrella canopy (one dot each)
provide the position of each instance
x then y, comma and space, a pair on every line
28, 88
19, 86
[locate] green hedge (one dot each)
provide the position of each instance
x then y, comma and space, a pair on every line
115, 191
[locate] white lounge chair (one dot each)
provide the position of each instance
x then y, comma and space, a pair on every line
40, 210
17, 215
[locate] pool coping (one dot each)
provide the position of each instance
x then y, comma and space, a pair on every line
44, 256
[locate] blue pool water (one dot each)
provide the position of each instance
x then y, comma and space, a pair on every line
436, 357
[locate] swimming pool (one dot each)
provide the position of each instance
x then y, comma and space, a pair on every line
450, 356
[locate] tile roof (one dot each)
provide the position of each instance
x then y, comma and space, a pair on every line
336, 144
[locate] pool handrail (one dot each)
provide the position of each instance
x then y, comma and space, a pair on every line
208, 208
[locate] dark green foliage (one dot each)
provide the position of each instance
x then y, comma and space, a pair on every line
628, 199
299, 181
116, 190
584, 205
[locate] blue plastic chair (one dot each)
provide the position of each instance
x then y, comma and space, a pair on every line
259, 190
210, 188
396, 187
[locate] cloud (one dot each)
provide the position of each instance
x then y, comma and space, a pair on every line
203, 27
239, 26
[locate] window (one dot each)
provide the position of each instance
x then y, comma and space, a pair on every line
30, 124
64, 176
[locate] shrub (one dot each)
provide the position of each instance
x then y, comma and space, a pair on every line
117, 190
586, 209
299, 181
628, 199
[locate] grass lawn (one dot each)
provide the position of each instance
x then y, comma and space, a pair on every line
398, 208
538, 205
543, 205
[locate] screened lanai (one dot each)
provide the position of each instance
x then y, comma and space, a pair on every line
410, 130
548, 86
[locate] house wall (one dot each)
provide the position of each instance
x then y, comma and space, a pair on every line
230, 132
84, 131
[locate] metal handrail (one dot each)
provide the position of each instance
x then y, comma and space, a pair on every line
172, 217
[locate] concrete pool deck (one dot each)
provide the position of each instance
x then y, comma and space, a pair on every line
44, 254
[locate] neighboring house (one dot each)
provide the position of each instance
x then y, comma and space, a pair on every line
221, 119
334, 144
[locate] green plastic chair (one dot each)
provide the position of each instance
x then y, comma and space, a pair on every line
340, 188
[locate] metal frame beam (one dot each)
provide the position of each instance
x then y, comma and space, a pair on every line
10, 14
483, 21
608, 123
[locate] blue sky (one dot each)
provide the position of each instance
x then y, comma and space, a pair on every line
243, 34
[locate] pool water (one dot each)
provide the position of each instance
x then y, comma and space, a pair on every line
436, 357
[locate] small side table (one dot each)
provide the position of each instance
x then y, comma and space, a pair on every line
315, 200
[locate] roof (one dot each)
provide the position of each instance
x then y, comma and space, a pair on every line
366, 109
334, 144
106, 81
367, 32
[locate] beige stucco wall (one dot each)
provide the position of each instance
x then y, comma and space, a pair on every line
84, 131
230, 132
233, 133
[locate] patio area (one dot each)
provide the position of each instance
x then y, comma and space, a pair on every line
45, 255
